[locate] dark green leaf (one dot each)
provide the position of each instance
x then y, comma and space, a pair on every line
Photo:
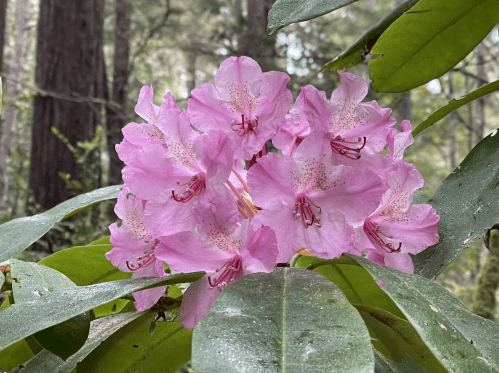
285, 12
291, 320
467, 202
357, 52
399, 337
429, 40
34, 281
100, 330
384, 365
15, 355
460, 340
133, 349
16, 235
454, 105
66, 303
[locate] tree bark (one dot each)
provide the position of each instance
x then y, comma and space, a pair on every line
9, 117
116, 118
69, 63
3, 12
480, 103
452, 127
255, 42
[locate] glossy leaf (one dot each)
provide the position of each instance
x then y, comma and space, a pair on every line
454, 105
460, 340
399, 337
34, 281
291, 320
133, 349
429, 40
16, 235
100, 330
357, 52
15, 355
285, 12
66, 303
384, 365
467, 202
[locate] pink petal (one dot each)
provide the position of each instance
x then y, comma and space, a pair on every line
145, 106
215, 154
197, 302
400, 261
145, 299
397, 142
260, 251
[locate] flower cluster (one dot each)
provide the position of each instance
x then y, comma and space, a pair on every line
202, 194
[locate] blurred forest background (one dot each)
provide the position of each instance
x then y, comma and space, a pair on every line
72, 71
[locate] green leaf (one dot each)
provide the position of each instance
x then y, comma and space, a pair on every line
357, 52
15, 355
285, 12
467, 202
454, 105
354, 281
85, 265
384, 365
460, 340
16, 235
133, 349
399, 337
33, 282
291, 320
56, 307
428, 41
100, 330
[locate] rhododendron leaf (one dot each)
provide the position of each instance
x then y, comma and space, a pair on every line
454, 105
100, 330
285, 12
385, 365
399, 337
429, 40
32, 282
16, 235
290, 320
356, 53
61, 305
133, 349
460, 340
467, 202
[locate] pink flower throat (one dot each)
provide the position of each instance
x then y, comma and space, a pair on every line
308, 211
373, 233
194, 188
246, 126
229, 272
347, 148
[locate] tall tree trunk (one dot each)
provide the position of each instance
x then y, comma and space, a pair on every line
69, 66
480, 103
3, 12
255, 42
9, 117
404, 108
116, 117
191, 69
452, 126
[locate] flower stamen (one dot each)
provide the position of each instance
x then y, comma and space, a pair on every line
308, 211
373, 233
246, 126
194, 188
229, 272
338, 145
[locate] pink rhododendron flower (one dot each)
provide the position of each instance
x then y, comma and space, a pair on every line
397, 228
134, 248
397, 141
224, 249
307, 201
244, 103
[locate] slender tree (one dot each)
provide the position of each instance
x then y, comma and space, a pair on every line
116, 116
69, 74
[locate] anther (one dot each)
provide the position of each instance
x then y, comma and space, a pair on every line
347, 148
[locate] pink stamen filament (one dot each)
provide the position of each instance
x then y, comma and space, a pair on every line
352, 152
245, 127
142, 262
241, 200
229, 272
194, 188
241, 179
304, 208
373, 232
296, 141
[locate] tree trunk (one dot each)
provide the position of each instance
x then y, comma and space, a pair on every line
480, 103
69, 65
452, 126
3, 12
116, 118
255, 42
9, 117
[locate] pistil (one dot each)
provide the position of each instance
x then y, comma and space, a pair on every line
349, 149
246, 126
194, 188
